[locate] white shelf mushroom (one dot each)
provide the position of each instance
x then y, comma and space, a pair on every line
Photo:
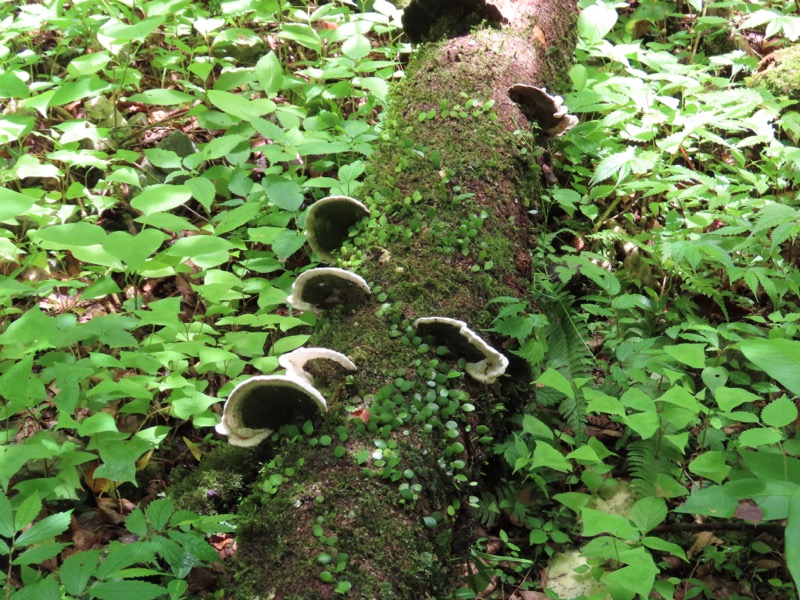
326, 287
547, 110
261, 404
328, 221
487, 364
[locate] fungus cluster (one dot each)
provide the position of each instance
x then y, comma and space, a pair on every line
259, 405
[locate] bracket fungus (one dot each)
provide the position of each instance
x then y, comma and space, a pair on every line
539, 106
486, 364
295, 362
260, 405
326, 287
328, 221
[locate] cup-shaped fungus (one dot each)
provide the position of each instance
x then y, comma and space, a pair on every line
484, 363
295, 362
327, 287
328, 221
260, 405
540, 107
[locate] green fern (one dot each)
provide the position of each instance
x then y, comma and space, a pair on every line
649, 459
566, 335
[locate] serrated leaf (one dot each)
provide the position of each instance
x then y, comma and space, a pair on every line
779, 413
136, 523
615, 165
27, 512
282, 192
159, 511
77, 570
40, 553
46, 529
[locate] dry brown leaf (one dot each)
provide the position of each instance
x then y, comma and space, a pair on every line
701, 540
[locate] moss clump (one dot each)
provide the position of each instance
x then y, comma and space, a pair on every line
780, 73
218, 484
344, 515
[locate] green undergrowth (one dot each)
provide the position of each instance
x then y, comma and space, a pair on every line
663, 341
156, 164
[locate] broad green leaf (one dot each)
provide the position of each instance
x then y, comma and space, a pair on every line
596, 522
197, 245
688, 354
162, 97
595, 22
778, 358
655, 543
88, 64
14, 127
270, 73
792, 538
712, 501
282, 192
161, 198
136, 523
710, 465
46, 529
648, 513
13, 204
729, 398
121, 556
77, 570
69, 235
12, 86
779, 413
203, 191
544, 455
80, 89
356, 47
126, 589
554, 379
119, 457
536, 428
6, 517
133, 250
239, 106
759, 436
287, 242
123, 32
237, 217
288, 343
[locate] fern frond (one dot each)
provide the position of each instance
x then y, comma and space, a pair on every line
647, 459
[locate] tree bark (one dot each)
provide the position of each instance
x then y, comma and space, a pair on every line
386, 515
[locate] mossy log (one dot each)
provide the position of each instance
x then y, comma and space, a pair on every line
375, 499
